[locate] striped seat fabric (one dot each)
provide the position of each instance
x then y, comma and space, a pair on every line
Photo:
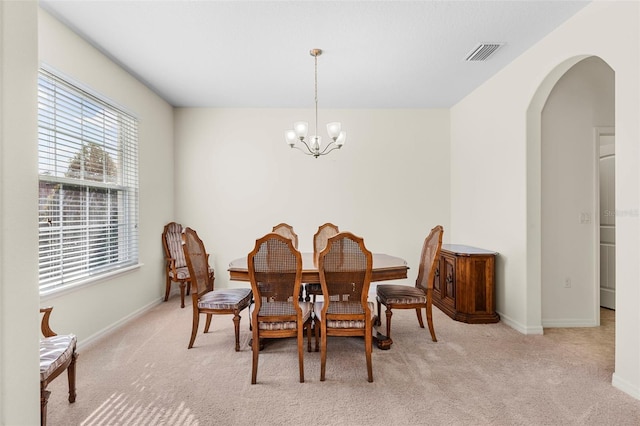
54, 352
343, 308
281, 308
389, 293
230, 298
183, 273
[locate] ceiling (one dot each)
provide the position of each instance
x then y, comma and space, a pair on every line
377, 54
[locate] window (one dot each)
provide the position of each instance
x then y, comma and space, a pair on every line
88, 174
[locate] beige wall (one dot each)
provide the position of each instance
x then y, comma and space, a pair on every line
29, 35
97, 307
495, 167
19, 390
236, 178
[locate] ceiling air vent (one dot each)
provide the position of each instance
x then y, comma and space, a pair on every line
483, 51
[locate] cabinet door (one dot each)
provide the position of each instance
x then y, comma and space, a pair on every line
448, 280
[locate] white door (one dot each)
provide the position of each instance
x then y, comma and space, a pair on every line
605, 138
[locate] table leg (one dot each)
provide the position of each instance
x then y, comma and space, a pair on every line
383, 342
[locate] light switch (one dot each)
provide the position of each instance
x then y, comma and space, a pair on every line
584, 218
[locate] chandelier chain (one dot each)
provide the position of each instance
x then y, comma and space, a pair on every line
316, 90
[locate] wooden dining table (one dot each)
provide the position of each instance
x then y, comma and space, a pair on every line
385, 267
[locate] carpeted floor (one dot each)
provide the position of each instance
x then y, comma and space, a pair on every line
143, 374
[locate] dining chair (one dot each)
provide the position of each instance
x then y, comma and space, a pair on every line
320, 238
205, 299
57, 354
395, 296
275, 272
286, 231
319, 243
175, 263
345, 267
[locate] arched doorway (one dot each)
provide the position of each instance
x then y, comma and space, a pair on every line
562, 209
576, 113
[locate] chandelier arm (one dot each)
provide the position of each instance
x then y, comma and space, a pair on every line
302, 150
332, 144
311, 151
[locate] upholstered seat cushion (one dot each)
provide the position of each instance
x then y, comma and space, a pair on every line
343, 308
282, 308
183, 273
400, 294
54, 352
228, 298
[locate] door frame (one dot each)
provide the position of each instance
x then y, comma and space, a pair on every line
597, 132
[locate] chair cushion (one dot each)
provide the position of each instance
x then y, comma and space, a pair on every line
174, 243
281, 308
183, 273
54, 352
228, 298
400, 294
343, 308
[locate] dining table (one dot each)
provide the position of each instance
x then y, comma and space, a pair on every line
385, 267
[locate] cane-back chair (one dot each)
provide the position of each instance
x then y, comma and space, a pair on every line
205, 299
175, 263
319, 243
320, 238
286, 231
57, 353
395, 296
275, 272
345, 267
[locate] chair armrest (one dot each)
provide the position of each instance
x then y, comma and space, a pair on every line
171, 265
44, 326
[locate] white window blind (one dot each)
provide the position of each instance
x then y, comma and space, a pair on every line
88, 173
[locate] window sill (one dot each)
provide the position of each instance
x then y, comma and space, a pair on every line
76, 285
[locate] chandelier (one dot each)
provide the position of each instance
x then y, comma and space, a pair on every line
313, 144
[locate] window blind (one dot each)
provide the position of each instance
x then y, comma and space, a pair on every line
88, 179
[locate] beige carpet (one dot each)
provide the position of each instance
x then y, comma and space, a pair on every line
143, 374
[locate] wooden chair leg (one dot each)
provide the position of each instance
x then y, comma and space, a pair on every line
194, 328
255, 348
430, 319
389, 314
236, 326
71, 375
301, 354
182, 290
316, 332
419, 314
368, 340
308, 327
167, 289
44, 398
207, 323
378, 320
323, 353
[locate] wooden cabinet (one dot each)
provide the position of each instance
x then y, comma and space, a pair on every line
463, 285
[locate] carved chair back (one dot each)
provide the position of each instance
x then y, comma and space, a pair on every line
286, 231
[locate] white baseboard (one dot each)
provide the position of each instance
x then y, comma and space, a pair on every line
625, 386
524, 329
85, 343
567, 323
